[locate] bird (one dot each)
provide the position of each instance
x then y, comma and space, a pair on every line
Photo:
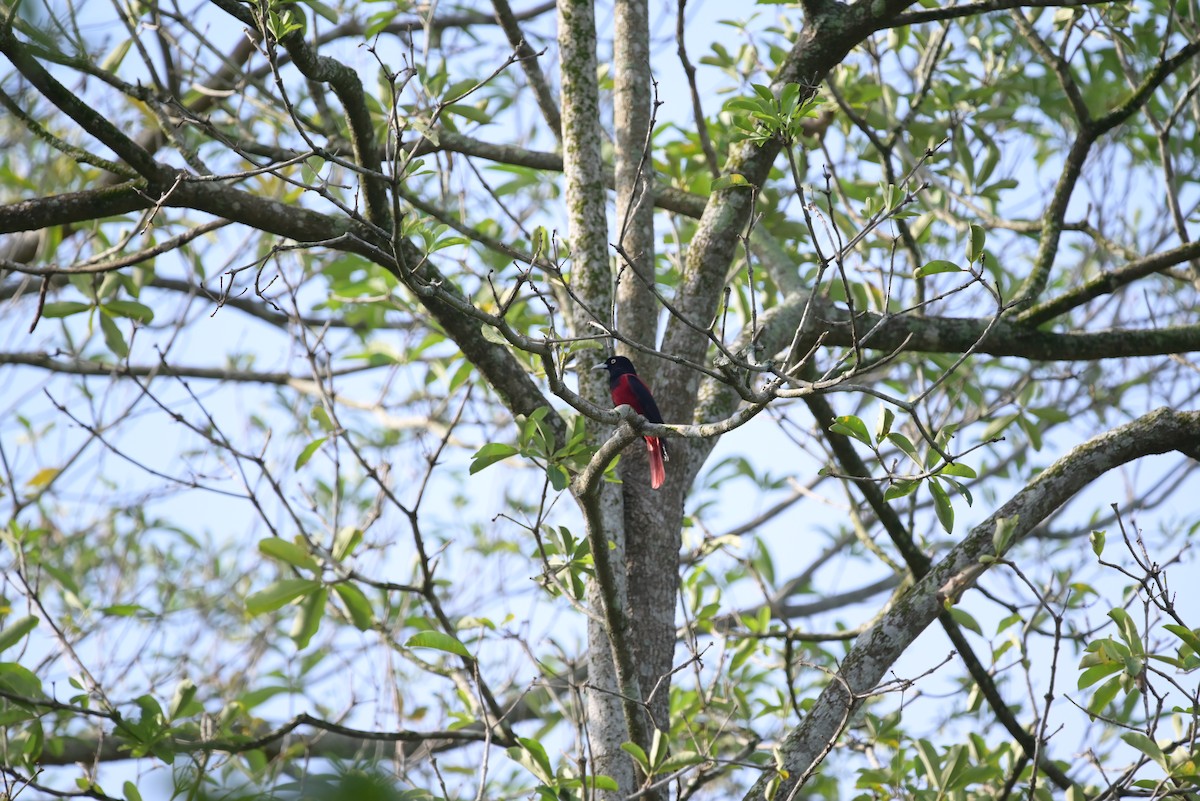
629, 390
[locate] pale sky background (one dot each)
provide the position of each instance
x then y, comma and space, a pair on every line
792, 537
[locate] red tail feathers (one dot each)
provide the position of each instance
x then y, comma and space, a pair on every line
657, 453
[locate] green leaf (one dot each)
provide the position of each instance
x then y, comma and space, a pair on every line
255, 698
962, 618
279, 594
850, 426
131, 792
308, 452
905, 444
1002, 536
288, 552
1128, 629
1148, 747
1097, 540
962, 490
457, 89
131, 309
182, 701
14, 632
659, 746
1104, 695
472, 113
532, 755
998, 425
493, 336
1032, 431
113, 337
1189, 636
942, 505
308, 618
936, 266
323, 10
890, 195
321, 415
126, 610
347, 539
357, 605
64, 308
900, 489
1007, 621
439, 641
151, 710
639, 756
728, 181
957, 469
490, 454
884, 425
930, 760
558, 477
1050, 414
534, 435
1097, 672
976, 242
595, 782
680, 760
19, 680
448, 241
956, 762
742, 653
538, 752
116, 56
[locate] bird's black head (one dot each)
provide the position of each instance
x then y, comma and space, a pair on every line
616, 366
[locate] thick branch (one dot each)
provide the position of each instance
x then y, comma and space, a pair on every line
73, 207
985, 7
611, 658
664, 197
82, 366
1107, 282
528, 58
651, 521
334, 741
1090, 130
78, 109
349, 90
510, 380
958, 334
878, 649
918, 563
830, 33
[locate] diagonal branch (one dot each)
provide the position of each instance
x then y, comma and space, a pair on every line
878, 649
77, 109
349, 90
1107, 282
528, 58
1090, 130
918, 563
830, 32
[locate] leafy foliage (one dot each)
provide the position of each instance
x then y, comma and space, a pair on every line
306, 489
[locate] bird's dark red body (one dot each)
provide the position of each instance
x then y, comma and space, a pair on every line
629, 390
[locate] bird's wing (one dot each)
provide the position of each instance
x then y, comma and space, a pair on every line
642, 401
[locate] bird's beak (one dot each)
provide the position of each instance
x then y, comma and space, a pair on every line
600, 366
